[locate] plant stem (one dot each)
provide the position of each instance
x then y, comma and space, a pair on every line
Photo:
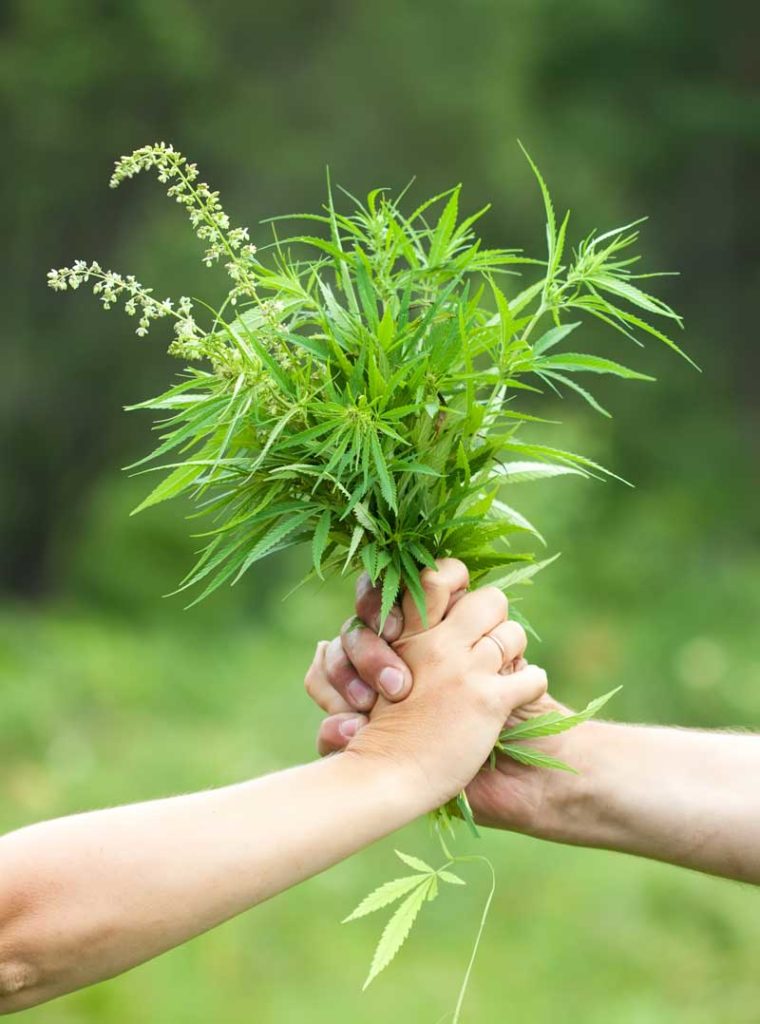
466, 980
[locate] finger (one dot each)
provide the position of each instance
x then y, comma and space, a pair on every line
523, 687
501, 647
318, 685
345, 680
456, 596
516, 665
368, 601
336, 732
477, 614
438, 585
375, 662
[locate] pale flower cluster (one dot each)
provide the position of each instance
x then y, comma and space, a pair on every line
111, 288
204, 209
212, 225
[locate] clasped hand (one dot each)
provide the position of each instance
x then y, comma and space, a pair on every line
436, 698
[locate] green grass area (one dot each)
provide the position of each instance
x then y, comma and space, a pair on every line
99, 710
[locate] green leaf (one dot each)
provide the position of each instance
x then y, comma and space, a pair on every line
319, 541
516, 518
273, 538
575, 386
412, 580
522, 574
397, 929
391, 581
445, 228
554, 722
522, 472
551, 223
552, 337
387, 486
172, 485
466, 811
356, 539
573, 361
451, 878
414, 862
384, 895
534, 758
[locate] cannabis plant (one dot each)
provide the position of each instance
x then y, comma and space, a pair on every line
358, 391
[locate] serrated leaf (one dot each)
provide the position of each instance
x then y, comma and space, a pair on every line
319, 542
516, 518
466, 811
554, 722
451, 878
534, 758
384, 895
552, 337
412, 579
522, 574
272, 538
571, 362
397, 930
387, 486
523, 472
575, 386
551, 223
414, 862
171, 486
391, 580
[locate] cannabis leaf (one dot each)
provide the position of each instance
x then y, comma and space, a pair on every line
385, 894
533, 758
554, 722
413, 890
397, 929
550, 724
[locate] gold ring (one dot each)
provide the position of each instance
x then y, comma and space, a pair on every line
499, 644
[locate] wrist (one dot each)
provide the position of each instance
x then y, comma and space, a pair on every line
390, 787
572, 804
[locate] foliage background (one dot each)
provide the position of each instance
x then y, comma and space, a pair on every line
110, 693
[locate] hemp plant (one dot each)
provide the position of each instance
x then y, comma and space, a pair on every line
358, 391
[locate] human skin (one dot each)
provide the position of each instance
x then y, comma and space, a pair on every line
684, 796
86, 897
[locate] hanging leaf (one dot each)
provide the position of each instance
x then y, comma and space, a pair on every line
397, 929
384, 895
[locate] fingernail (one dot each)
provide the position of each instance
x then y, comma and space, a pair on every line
393, 625
392, 681
360, 693
349, 727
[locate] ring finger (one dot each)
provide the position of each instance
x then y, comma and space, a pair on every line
501, 647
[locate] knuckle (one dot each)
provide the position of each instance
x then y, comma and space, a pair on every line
519, 635
539, 680
432, 581
335, 661
496, 598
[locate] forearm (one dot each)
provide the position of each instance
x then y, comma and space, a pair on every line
86, 897
684, 796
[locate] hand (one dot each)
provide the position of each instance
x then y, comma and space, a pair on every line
444, 731
513, 796
349, 672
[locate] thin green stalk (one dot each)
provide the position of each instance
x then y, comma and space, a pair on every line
479, 935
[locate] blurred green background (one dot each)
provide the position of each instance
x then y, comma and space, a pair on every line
111, 693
